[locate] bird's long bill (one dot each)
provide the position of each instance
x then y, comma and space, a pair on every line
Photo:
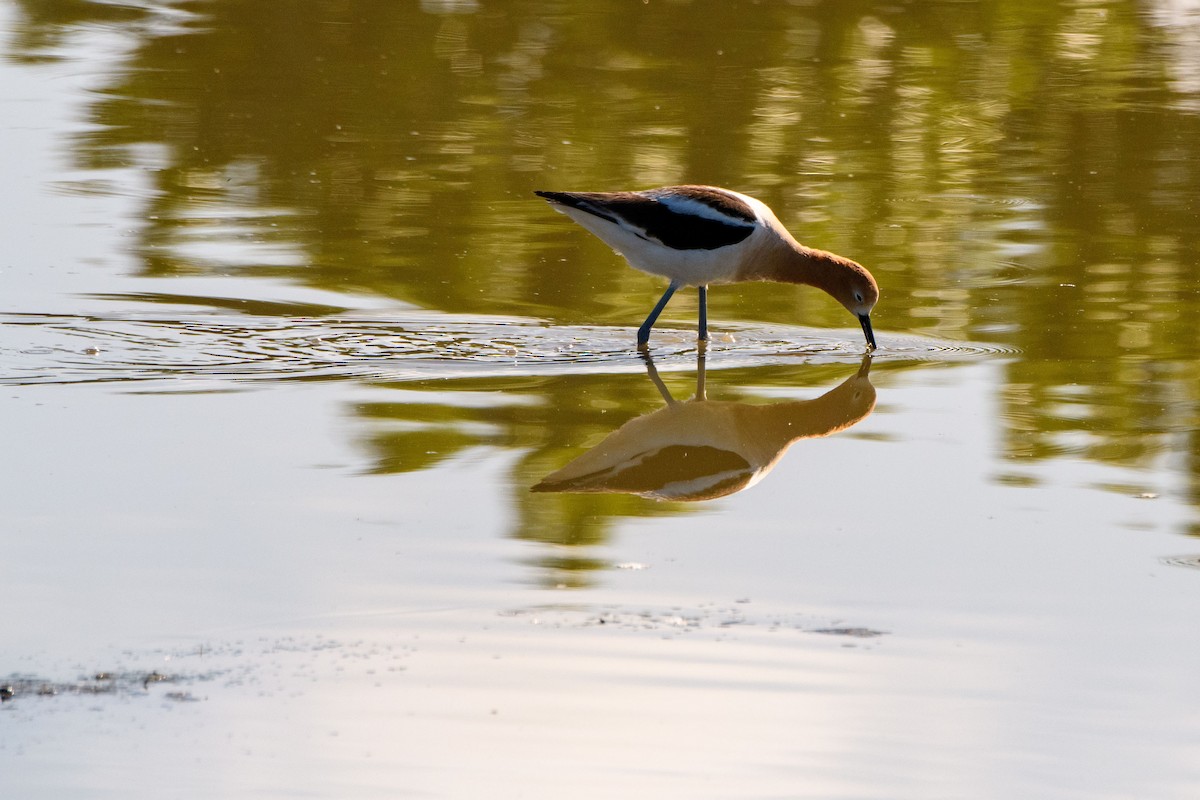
865, 319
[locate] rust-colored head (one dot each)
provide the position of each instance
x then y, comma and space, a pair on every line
846, 281
858, 292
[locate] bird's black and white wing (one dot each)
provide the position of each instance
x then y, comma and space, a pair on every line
678, 217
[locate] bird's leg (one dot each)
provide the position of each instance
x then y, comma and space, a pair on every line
703, 314
644, 331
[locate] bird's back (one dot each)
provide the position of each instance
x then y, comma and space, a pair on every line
690, 234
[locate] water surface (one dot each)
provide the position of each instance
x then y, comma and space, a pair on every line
287, 345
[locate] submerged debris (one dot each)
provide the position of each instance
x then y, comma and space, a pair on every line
1192, 561
711, 618
858, 633
98, 683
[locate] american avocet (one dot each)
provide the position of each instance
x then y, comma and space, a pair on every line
702, 449
697, 235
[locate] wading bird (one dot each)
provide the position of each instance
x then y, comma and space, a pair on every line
699, 235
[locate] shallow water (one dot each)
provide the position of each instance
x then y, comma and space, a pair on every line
331, 468
71, 348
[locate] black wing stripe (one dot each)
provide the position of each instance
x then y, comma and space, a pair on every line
682, 231
659, 222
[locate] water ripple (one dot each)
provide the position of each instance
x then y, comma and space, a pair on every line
43, 348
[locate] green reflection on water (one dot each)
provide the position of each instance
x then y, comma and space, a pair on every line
1022, 172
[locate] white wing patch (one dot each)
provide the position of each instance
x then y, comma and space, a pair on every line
690, 206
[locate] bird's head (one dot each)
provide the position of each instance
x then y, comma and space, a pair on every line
857, 290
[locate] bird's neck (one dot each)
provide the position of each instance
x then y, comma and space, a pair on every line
808, 266
788, 261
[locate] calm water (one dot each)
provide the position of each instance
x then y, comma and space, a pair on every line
313, 412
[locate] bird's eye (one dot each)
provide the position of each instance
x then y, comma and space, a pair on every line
858, 296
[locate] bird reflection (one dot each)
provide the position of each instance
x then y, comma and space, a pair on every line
702, 449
